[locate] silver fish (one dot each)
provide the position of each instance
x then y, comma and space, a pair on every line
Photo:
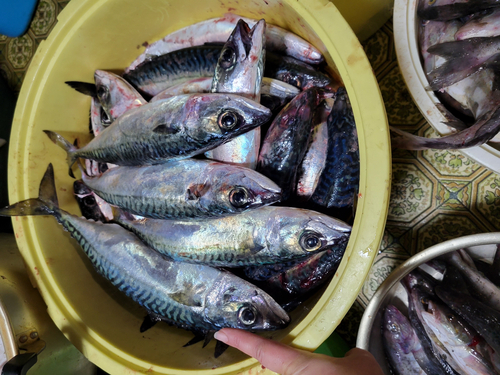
480, 26
483, 289
457, 338
186, 189
193, 297
219, 29
270, 86
239, 70
400, 342
174, 128
257, 237
445, 10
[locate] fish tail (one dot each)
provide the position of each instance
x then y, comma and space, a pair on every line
84, 88
70, 149
45, 204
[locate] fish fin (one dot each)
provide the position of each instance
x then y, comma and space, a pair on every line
452, 71
196, 191
149, 321
256, 248
166, 129
83, 87
196, 339
43, 205
208, 337
68, 147
220, 347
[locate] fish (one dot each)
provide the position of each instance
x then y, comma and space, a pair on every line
115, 94
98, 118
194, 297
298, 281
314, 159
420, 290
296, 73
270, 86
460, 340
482, 288
256, 237
87, 202
174, 128
339, 180
218, 30
483, 25
445, 10
484, 129
400, 342
463, 58
286, 141
187, 189
155, 75
484, 319
240, 70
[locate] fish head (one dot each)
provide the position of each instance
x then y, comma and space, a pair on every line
87, 202
240, 66
222, 116
237, 189
304, 231
397, 329
242, 305
115, 94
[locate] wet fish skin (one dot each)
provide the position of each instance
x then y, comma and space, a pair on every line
482, 288
481, 25
286, 140
240, 70
295, 72
193, 297
460, 340
187, 189
161, 72
339, 181
257, 237
481, 317
219, 29
400, 342
445, 10
115, 94
174, 128
419, 293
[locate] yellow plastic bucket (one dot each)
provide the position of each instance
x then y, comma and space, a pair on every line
109, 34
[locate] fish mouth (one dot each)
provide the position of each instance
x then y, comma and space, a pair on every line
274, 316
265, 199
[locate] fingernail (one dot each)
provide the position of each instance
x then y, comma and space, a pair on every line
221, 336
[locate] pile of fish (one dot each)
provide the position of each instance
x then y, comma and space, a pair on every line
452, 325
178, 194
459, 44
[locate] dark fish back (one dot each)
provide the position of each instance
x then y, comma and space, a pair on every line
339, 181
191, 62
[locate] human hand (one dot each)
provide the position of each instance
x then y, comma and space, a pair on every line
286, 360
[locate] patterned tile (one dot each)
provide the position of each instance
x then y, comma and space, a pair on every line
398, 102
44, 18
448, 163
443, 226
412, 193
454, 195
377, 49
381, 268
487, 205
348, 327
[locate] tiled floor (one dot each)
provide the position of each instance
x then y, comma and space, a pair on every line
436, 195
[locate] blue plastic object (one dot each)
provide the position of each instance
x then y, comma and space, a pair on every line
15, 16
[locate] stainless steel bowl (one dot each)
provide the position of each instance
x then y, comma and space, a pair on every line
479, 246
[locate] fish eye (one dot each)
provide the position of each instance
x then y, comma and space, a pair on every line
430, 2
310, 241
239, 197
102, 93
393, 327
247, 315
227, 58
228, 120
89, 201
